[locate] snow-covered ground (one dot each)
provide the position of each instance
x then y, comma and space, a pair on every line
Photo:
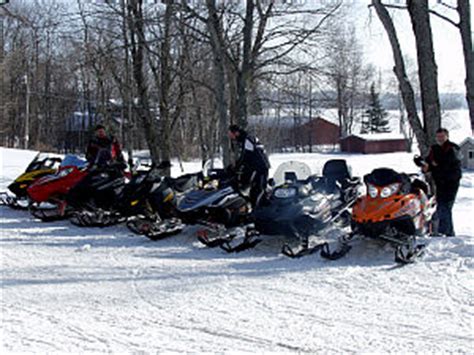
66, 289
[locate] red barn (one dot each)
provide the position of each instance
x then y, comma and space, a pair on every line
374, 143
318, 131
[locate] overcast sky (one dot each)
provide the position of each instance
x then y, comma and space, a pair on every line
447, 42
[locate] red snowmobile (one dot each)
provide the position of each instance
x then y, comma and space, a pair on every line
48, 193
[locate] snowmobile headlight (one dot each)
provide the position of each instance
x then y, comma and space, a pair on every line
285, 192
140, 179
64, 172
372, 190
389, 190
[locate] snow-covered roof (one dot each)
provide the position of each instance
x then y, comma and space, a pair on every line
379, 136
467, 140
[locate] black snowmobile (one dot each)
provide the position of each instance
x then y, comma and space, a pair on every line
221, 207
143, 201
99, 191
303, 207
41, 165
158, 195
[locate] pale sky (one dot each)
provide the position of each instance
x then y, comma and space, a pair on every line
447, 42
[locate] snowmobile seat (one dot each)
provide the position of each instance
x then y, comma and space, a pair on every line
419, 185
336, 171
184, 182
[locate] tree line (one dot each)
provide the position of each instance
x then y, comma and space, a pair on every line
170, 76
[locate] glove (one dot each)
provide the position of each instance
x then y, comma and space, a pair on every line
419, 161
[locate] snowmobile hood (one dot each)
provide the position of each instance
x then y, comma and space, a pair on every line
56, 184
19, 186
372, 210
200, 198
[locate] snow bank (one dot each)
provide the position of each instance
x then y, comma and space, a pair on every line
67, 289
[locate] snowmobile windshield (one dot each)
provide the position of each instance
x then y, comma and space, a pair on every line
73, 160
384, 177
43, 161
291, 171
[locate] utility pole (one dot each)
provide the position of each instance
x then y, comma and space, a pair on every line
3, 111
27, 114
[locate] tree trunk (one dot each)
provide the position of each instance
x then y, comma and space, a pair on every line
137, 37
165, 78
464, 10
244, 74
215, 32
406, 88
427, 69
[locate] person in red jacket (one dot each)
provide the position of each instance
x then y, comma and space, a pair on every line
103, 149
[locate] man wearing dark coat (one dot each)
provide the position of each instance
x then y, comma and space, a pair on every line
444, 163
252, 164
103, 149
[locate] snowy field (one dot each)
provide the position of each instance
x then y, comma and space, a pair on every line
67, 289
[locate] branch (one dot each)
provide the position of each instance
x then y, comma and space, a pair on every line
433, 12
456, 24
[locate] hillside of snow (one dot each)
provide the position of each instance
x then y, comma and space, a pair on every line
70, 289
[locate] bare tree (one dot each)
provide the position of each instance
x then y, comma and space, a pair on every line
406, 87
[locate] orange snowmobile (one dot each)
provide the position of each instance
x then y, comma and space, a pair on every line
397, 208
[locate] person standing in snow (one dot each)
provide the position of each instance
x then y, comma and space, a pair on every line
444, 163
103, 149
252, 164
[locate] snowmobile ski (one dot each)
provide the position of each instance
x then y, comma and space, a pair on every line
343, 249
13, 201
407, 254
250, 241
164, 229
301, 251
98, 218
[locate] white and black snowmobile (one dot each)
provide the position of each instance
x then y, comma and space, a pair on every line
303, 206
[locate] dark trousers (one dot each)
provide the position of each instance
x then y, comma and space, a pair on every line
444, 218
257, 188
446, 192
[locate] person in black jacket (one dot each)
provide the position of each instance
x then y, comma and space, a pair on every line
252, 164
103, 149
445, 166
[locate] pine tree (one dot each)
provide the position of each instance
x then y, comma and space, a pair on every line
375, 115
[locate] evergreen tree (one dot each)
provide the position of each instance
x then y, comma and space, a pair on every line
375, 115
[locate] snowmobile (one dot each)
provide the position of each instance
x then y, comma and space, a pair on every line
304, 206
48, 193
220, 206
397, 208
96, 193
41, 165
142, 202
159, 219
